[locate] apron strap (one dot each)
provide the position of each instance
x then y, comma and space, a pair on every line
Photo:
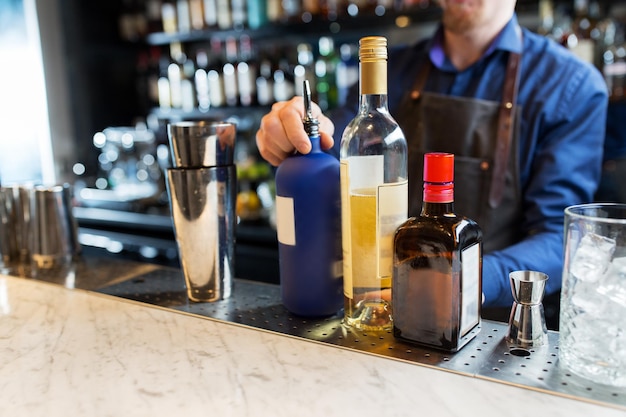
505, 130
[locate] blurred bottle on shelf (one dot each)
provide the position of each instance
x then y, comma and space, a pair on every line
169, 18
210, 13
305, 69
175, 75
201, 80
153, 15
132, 21
257, 15
154, 71
188, 87
196, 14
239, 14
183, 16
310, 9
246, 72
546, 17
614, 61
163, 86
283, 87
274, 10
229, 73
224, 14
331, 9
292, 11
326, 74
347, 71
265, 83
584, 35
214, 74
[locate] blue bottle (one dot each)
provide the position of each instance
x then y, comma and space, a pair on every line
308, 222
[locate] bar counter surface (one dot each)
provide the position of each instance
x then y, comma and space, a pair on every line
72, 351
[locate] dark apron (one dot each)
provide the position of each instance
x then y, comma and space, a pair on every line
483, 136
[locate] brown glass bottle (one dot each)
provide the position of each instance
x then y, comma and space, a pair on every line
437, 267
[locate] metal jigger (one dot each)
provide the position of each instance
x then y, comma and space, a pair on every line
527, 323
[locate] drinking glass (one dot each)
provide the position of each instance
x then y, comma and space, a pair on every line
593, 296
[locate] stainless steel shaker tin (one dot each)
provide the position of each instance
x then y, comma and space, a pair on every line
202, 189
202, 203
54, 236
196, 144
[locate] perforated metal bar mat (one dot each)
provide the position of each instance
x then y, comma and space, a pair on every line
487, 356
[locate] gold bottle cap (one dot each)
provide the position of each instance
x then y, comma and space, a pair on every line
373, 48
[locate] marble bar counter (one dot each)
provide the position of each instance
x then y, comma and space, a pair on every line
72, 351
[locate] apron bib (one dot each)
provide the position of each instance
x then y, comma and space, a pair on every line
483, 136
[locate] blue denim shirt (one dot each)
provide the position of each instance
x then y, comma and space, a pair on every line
563, 108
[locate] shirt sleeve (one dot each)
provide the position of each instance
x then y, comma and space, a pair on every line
560, 165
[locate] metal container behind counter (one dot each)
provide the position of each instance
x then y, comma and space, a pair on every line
202, 189
201, 144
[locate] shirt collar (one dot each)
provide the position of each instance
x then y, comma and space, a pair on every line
509, 39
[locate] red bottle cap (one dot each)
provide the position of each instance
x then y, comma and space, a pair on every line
439, 167
438, 177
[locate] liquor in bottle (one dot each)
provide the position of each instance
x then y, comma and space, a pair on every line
437, 270
374, 194
308, 216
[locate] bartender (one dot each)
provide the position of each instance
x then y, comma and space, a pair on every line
524, 117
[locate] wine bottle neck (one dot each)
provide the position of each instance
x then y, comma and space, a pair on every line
437, 209
373, 77
373, 101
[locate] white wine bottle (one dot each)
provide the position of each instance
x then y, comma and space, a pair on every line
374, 194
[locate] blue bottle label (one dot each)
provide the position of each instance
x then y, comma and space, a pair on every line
285, 221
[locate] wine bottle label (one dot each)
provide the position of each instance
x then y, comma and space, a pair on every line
285, 221
392, 211
367, 171
371, 212
470, 297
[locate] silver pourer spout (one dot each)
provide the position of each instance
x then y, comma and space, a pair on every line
311, 124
